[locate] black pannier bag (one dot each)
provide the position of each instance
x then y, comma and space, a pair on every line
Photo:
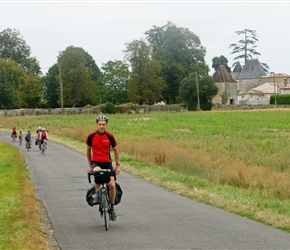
119, 193
91, 191
89, 196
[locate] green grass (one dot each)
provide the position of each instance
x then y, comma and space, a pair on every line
235, 160
18, 216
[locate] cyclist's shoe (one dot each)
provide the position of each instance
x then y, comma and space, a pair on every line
96, 199
113, 215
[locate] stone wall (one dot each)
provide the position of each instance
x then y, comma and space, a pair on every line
129, 109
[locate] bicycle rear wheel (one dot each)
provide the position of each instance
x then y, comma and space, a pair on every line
43, 148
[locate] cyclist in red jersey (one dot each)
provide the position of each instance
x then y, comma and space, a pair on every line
99, 143
14, 133
43, 137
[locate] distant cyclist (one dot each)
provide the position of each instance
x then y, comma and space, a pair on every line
99, 143
43, 137
28, 139
14, 133
20, 135
38, 132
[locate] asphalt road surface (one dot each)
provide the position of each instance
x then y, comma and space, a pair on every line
149, 217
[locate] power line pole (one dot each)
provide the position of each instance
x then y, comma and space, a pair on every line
275, 89
61, 91
197, 91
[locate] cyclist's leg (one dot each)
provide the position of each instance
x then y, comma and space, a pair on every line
112, 197
112, 187
96, 166
112, 191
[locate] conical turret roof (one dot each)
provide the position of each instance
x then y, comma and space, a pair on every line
222, 75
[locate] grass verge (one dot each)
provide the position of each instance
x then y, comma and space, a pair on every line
20, 226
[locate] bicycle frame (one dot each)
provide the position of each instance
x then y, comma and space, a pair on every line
43, 147
14, 137
20, 140
38, 143
104, 206
27, 144
104, 201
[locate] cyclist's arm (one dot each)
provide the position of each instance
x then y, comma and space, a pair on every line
117, 159
89, 157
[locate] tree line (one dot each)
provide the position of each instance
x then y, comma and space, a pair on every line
167, 65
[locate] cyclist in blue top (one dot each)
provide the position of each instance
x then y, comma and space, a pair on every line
28, 138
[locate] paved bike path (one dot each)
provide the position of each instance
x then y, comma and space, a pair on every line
149, 217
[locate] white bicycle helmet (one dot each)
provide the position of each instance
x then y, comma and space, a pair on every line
102, 118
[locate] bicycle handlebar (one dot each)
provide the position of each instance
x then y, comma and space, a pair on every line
89, 173
89, 176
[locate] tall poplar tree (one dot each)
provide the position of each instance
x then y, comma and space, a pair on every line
77, 73
145, 84
246, 47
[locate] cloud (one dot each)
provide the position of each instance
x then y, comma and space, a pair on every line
103, 27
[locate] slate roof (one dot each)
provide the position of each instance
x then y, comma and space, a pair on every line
222, 75
252, 69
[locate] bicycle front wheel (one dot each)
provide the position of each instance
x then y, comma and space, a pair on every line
105, 206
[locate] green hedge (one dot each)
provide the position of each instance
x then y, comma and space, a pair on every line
281, 99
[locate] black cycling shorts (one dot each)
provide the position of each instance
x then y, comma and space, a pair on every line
104, 165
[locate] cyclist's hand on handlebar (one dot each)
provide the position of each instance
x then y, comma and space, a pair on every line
90, 169
117, 170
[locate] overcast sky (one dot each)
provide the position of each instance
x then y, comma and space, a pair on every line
103, 27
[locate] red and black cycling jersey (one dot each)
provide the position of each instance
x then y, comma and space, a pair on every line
100, 144
43, 136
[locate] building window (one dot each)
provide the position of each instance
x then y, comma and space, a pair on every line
241, 85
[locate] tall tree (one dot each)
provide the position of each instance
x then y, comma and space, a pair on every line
13, 46
52, 87
246, 47
18, 88
221, 60
145, 84
77, 75
91, 64
178, 50
113, 84
11, 76
30, 92
206, 91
